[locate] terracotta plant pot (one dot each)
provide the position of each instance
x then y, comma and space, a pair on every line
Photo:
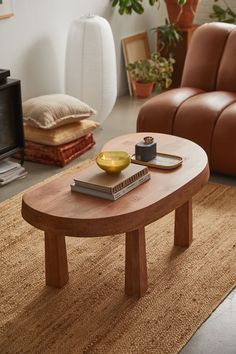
182, 16
143, 90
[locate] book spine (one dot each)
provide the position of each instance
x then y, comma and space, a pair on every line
131, 186
14, 172
111, 196
93, 186
92, 192
129, 180
118, 187
10, 179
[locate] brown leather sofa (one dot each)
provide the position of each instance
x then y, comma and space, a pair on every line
203, 109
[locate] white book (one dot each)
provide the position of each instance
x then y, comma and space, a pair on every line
7, 165
20, 174
107, 195
11, 173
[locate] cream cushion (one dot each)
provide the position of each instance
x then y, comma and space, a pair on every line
50, 111
59, 135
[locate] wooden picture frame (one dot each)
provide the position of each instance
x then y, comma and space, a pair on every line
6, 9
135, 47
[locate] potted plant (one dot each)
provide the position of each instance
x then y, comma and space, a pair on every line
179, 11
149, 72
168, 36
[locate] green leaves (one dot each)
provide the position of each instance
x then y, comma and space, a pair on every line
137, 7
168, 36
157, 70
114, 3
182, 2
129, 6
221, 14
152, 2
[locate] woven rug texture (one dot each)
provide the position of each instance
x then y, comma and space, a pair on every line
91, 314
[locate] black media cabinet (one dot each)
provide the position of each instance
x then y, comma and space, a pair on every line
11, 118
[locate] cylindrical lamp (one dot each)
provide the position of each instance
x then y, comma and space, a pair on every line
91, 64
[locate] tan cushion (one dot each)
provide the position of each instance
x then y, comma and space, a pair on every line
59, 135
51, 111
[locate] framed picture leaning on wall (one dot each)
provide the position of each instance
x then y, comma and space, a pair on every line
135, 47
6, 9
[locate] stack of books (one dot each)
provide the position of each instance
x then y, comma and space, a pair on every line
93, 181
9, 171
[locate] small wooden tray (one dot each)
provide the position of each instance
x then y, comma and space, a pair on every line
163, 161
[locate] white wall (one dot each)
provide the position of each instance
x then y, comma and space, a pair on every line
33, 42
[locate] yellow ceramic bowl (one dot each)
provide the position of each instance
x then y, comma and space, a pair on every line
113, 161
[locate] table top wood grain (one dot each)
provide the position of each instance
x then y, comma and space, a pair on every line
53, 207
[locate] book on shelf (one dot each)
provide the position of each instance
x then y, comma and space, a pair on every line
9, 171
94, 178
7, 165
108, 194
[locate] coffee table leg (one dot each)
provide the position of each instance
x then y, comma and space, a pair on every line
184, 225
56, 266
135, 263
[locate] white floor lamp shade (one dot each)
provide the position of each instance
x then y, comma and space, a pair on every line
91, 64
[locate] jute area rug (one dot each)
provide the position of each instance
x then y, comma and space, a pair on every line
91, 314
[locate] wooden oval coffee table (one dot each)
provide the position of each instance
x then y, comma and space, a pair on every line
59, 212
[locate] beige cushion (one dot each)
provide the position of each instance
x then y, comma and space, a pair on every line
51, 111
59, 135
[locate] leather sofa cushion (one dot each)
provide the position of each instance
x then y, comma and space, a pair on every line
223, 155
204, 56
158, 114
196, 118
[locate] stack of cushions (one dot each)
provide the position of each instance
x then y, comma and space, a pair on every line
57, 128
